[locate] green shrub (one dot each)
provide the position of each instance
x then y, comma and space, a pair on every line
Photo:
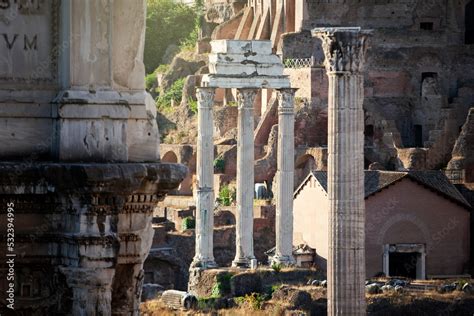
275, 288
276, 267
254, 300
192, 105
206, 303
219, 165
226, 195
162, 69
150, 81
222, 286
189, 223
175, 92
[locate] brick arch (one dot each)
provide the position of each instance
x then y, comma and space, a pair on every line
398, 218
170, 156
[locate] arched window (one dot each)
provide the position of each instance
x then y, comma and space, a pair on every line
469, 23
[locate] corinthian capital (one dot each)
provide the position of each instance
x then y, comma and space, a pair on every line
205, 97
286, 99
246, 97
344, 48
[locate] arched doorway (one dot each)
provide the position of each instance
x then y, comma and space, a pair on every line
469, 23
169, 157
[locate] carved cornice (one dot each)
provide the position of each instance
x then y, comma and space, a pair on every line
205, 97
344, 48
246, 98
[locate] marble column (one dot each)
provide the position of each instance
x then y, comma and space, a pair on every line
344, 50
204, 257
245, 178
285, 178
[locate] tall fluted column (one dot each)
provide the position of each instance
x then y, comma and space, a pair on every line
204, 256
245, 178
284, 176
344, 50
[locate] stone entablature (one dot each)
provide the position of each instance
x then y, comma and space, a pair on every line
244, 64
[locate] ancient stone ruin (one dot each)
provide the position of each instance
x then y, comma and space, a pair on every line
79, 156
246, 66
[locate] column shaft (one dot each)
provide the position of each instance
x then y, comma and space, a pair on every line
204, 256
346, 267
344, 50
245, 178
285, 178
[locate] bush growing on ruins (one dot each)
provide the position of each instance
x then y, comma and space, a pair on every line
167, 22
254, 300
174, 93
222, 286
226, 196
189, 223
208, 303
219, 165
192, 105
276, 267
150, 80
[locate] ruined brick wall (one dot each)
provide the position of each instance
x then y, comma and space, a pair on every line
419, 71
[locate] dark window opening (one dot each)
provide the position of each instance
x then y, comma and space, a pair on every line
369, 135
427, 26
418, 135
425, 76
403, 264
469, 23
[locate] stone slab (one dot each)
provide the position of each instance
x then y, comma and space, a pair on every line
238, 70
241, 47
258, 82
242, 59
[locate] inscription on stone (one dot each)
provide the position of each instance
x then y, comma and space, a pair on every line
28, 41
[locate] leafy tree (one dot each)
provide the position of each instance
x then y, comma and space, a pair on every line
168, 22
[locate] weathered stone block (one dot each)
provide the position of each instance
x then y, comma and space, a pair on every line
245, 283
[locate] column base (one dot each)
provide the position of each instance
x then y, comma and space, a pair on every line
242, 262
203, 264
283, 260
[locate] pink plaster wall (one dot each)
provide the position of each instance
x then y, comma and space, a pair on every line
402, 213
